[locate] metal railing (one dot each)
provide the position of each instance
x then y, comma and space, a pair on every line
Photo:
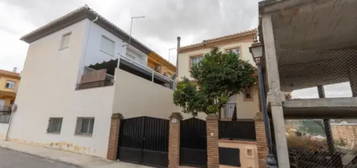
5, 112
240, 130
152, 71
5, 109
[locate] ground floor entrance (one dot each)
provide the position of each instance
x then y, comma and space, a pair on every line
193, 143
144, 140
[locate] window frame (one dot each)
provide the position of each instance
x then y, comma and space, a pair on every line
13, 82
250, 90
235, 47
62, 46
195, 56
101, 43
49, 124
79, 126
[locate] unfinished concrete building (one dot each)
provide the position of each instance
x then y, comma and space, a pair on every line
308, 43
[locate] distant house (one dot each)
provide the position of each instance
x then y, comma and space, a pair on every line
71, 84
247, 103
9, 82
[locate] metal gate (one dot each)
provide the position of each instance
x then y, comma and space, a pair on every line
193, 143
144, 140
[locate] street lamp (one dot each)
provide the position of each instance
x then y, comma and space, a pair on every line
257, 52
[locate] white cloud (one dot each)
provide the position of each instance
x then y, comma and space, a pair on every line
194, 21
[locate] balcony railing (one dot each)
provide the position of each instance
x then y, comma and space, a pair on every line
5, 112
5, 109
170, 82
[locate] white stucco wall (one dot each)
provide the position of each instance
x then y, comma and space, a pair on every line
95, 55
48, 90
246, 108
135, 97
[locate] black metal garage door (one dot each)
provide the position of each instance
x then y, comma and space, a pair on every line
144, 140
193, 143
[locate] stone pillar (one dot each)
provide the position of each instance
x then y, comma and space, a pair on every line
212, 141
262, 144
174, 140
112, 153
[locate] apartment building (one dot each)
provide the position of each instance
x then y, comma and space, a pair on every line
9, 82
79, 74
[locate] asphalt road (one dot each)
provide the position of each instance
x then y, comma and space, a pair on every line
14, 159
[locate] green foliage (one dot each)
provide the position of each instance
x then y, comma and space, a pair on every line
217, 77
313, 127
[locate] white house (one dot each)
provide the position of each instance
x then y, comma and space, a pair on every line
71, 85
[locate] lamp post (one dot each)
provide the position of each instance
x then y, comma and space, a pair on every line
257, 52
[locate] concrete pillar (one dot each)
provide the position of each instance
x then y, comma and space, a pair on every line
327, 126
174, 140
212, 141
275, 96
112, 153
262, 144
353, 80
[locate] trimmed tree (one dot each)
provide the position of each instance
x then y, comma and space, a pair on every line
217, 77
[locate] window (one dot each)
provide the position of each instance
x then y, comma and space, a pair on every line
65, 41
84, 126
107, 46
228, 110
196, 59
54, 125
248, 94
234, 50
10, 84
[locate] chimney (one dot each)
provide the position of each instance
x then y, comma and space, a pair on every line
177, 53
14, 69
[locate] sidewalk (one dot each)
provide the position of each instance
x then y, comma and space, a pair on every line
81, 160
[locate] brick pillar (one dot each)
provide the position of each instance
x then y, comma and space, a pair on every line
114, 136
212, 141
261, 140
174, 140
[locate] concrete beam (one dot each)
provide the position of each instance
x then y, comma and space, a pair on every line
321, 108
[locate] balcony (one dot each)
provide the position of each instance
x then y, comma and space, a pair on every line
5, 112
92, 78
107, 69
5, 109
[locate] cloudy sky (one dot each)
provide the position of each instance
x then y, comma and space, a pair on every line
193, 20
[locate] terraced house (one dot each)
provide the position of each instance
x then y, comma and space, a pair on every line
80, 76
229, 143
